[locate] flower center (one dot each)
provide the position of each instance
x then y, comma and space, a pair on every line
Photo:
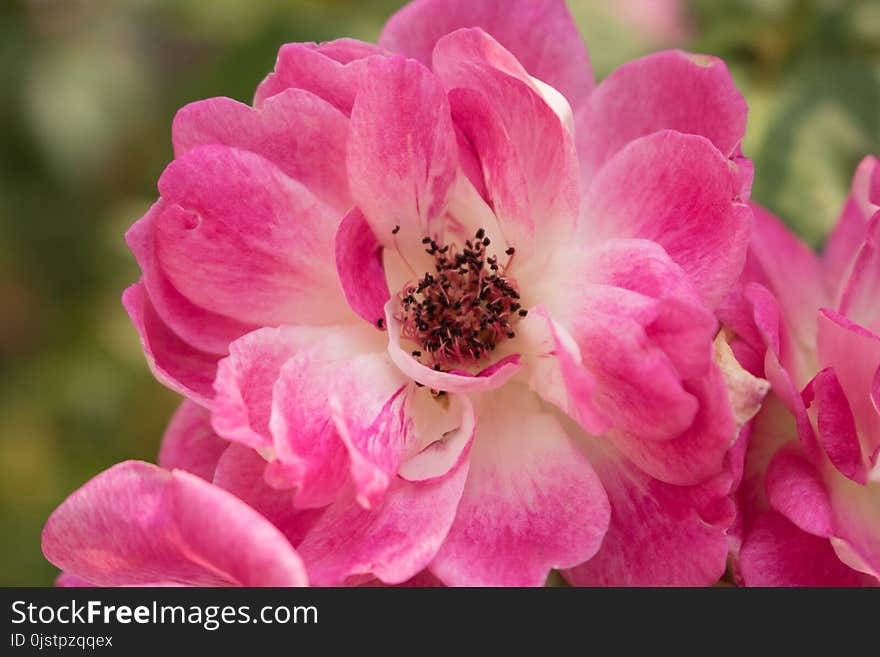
461, 311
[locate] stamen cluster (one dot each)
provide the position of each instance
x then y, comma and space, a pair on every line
461, 311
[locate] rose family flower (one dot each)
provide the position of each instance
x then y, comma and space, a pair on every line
447, 306
810, 501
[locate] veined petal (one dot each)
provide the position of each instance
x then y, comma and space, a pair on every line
242, 239
532, 502
138, 524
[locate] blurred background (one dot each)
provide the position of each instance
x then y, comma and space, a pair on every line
89, 89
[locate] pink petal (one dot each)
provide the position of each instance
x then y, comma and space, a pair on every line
659, 535
641, 330
837, 428
190, 444
532, 502
699, 451
789, 269
360, 268
66, 580
540, 33
671, 90
137, 524
527, 154
777, 553
781, 366
367, 406
175, 363
242, 239
245, 379
859, 301
557, 373
848, 235
796, 490
241, 471
393, 541
679, 191
301, 134
205, 330
490, 379
401, 171
854, 354
333, 71
312, 457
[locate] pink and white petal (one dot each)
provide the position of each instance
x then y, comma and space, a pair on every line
532, 501
242, 239
854, 353
311, 456
641, 330
678, 321
784, 366
190, 443
333, 71
859, 300
245, 380
836, 426
680, 191
205, 330
659, 535
176, 364
393, 541
229, 537
556, 371
849, 234
241, 471
401, 172
367, 399
796, 490
360, 268
507, 190
541, 34
777, 553
300, 133
509, 121
671, 90
439, 432
491, 378
699, 451
138, 524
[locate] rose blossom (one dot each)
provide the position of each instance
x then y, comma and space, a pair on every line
443, 320
810, 499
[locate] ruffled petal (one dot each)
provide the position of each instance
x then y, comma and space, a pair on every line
138, 524
300, 133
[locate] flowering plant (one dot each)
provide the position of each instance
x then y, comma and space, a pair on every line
446, 312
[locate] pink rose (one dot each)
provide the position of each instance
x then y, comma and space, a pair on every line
452, 308
810, 502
